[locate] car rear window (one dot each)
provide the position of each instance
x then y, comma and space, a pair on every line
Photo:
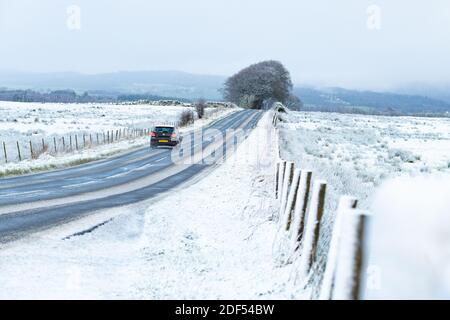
164, 129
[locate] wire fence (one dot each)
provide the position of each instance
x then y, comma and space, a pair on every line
13, 151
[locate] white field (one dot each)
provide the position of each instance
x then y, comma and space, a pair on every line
23, 122
356, 153
399, 169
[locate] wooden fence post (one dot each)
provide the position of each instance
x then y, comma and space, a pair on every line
71, 148
84, 141
292, 197
312, 231
288, 175
64, 144
4, 151
301, 205
345, 204
31, 150
350, 256
90, 139
281, 178
277, 174
54, 144
18, 151
76, 141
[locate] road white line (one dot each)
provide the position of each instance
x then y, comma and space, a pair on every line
25, 193
71, 186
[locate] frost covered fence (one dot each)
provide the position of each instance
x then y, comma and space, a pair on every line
302, 205
19, 150
301, 208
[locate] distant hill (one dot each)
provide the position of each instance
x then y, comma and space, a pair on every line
338, 99
156, 85
159, 83
436, 91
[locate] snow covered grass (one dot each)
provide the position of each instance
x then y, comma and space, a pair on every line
33, 121
355, 153
47, 119
210, 239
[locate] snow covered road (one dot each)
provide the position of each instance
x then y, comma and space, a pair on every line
35, 202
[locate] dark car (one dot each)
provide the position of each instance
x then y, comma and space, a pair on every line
165, 136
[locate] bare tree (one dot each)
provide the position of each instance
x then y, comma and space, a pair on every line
200, 107
186, 118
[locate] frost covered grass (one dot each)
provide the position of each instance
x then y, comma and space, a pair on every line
355, 153
23, 122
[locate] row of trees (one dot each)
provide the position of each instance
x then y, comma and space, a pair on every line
261, 84
70, 96
63, 96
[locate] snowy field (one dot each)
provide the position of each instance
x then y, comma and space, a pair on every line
210, 239
399, 169
356, 153
28, 120
25, 122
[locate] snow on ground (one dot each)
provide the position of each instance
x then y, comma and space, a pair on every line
409, 240
358, 155
210, 239
18, 123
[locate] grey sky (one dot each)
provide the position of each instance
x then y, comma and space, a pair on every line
321, 42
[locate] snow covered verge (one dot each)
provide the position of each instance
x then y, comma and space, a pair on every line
33, 121
212, 238
399, 170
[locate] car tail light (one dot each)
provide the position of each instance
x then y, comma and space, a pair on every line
174, 135
153, 134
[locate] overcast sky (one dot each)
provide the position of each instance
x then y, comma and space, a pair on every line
322, 42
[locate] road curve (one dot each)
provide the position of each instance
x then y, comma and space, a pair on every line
35, 202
